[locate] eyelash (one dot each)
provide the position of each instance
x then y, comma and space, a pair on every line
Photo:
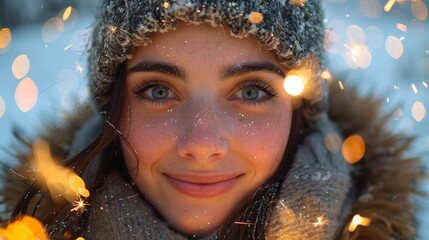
270, 91
261, 85
140, 89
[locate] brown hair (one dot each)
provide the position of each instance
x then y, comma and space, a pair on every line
255, 211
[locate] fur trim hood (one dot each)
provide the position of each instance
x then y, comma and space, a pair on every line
383, 184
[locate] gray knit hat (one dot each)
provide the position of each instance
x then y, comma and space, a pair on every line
293, 29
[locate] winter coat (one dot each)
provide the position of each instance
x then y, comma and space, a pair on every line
322, 197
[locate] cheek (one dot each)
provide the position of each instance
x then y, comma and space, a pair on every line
149, 140
264, 140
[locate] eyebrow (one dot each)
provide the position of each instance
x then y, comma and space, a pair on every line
227, 72
160, 67
251, 67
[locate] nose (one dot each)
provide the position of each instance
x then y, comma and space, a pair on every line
201, 139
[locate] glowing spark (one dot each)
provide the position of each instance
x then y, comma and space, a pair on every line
414, 88
24, 228
58, 179
80, 238
326, 75
320, 222
425, 84
340, 84
255, 17
358, 220
244, 223
389, 5
68, 47
67, 13
427, 51
79, 205
112, 29
166, 5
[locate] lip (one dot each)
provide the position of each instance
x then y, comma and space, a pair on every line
202, 185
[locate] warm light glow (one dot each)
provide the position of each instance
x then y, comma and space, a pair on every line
58, 179
80, 238
358, 55
355, 35
353, 149
418, 110
394, 47
332, 142
20, 66
419, 10
2, 107
26, 228
255, 17
79, 205
326, 75
401, 27
320, 221
52, 29
293, 84
5, 38
358, 221
299, 3
26, 94
166, 5
67, 13
389, 5
340, 84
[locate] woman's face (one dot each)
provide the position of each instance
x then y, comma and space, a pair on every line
208, 119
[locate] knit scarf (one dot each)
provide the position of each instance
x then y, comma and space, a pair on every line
311, 205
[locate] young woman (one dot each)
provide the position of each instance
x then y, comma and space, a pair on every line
191, 133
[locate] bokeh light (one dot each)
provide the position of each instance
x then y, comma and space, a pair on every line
299, 3
26, 228
353, 148
26, 94
294, 84
402, 27
370, 8
419, 10
2, 107
333, 43
418, 111
5, 38
394, 47
66, 19
358, 221
332, 142
52, 29
255, 17
374, 37
358, 56
355, 35
20, 66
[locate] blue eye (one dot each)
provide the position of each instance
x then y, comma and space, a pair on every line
154, 92
250, 92
255, 91
160, 92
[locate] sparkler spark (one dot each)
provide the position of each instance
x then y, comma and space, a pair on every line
244, 223
79, 205
59, 180
320, 222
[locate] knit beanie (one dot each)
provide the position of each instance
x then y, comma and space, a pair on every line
292, 29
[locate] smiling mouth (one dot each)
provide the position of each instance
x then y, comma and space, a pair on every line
202, 186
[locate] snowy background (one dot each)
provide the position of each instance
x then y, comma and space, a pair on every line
383, 52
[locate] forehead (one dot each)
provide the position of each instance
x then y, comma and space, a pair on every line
204, 41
